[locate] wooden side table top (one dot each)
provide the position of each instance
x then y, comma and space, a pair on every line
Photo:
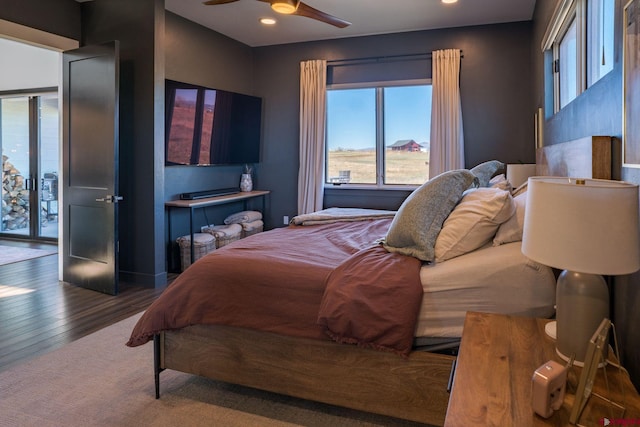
492, 383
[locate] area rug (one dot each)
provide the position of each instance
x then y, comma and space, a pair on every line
98, 381
11, 254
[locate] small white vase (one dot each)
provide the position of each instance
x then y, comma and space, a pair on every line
246, 183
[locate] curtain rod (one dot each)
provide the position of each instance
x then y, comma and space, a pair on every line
388, 58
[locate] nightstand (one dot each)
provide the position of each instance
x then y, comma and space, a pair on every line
492, 381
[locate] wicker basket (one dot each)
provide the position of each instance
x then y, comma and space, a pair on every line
224, 234
252, 231
202, 244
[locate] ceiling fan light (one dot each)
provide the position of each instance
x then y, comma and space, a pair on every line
284, 6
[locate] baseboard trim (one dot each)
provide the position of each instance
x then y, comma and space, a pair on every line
146, 280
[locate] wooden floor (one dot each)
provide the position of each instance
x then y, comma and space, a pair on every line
39, 314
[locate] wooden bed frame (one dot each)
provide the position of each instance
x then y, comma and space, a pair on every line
413, 388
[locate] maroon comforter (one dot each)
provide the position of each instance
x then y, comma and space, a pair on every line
303, 281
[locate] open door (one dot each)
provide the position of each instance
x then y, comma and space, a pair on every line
89, 180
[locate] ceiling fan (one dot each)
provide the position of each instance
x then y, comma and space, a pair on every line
295, 7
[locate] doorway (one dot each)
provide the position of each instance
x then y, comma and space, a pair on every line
30, 143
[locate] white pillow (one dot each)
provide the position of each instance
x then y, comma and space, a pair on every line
511, 230
499, 181
473, 222
415, 227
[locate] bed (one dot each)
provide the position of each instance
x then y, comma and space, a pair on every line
298, 344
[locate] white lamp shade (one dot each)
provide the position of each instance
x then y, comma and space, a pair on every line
517, 174
588, 228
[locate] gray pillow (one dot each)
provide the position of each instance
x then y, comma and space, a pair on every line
418, 222
487, 170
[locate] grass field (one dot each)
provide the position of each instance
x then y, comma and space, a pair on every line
401, 167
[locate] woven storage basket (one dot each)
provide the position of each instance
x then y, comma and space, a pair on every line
247, 233
202, 244
224, 234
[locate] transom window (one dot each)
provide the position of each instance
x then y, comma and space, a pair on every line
580, 36
378, 134
567, 72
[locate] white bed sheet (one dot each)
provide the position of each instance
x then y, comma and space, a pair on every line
495, 279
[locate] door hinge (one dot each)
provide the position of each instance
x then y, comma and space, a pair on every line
556, 66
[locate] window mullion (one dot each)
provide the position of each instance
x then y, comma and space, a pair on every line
380, 136
555, 69
581, 46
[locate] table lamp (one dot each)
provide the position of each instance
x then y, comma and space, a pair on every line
517, 174
588, 228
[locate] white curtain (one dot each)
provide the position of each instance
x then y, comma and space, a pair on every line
313, 85
447, 137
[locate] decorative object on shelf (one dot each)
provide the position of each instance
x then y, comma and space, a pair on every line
586, 227
246, 181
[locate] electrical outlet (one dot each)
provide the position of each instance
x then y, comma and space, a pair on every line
285, 220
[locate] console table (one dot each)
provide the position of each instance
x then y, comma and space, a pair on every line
192, 205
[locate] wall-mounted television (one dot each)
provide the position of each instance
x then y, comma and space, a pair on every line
207, 126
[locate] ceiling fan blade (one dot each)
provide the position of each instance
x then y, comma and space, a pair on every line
214, 2
309, 12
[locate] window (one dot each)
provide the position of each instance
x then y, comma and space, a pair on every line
568, 65
378, 135
29, 141
600, 15
580, 36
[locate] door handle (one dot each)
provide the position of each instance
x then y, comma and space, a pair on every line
109, 199
30, 184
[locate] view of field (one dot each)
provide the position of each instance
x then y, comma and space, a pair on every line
182, 126
402, 167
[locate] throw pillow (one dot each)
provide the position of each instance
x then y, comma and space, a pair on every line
418, 222
499, 181
511, 230
487, 170
473, 222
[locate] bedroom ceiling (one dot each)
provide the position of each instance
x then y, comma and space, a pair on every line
240, 20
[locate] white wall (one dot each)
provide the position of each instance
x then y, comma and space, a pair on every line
27, 67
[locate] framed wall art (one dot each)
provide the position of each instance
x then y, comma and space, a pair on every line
631, 85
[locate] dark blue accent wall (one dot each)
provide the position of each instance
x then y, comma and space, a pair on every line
502, 84
597, 111
496, 97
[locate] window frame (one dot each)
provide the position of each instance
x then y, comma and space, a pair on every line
566, 11
379, 149
595, 54
557, 50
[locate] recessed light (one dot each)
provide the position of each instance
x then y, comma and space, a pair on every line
449, 1
267, 21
